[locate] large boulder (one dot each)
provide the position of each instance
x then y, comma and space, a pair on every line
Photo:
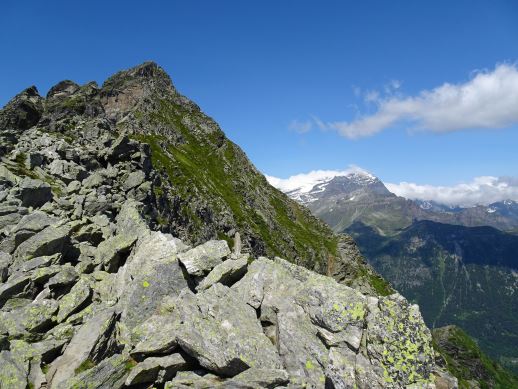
34, 317
222, 332
51, 240
90, 344
75, 300
225, 273
31, 224
150, 273
111, 252
322, 328
109, 373
34, 193
156, 369
13, 375
67, 171
202, 259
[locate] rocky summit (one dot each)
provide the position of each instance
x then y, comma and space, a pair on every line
140, 248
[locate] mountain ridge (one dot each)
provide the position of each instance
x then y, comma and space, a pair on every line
97, 290
345, 198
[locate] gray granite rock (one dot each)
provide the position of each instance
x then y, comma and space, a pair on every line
156, 369
34, 193
51, 240
202, 259
226, 272
222, 332
90, 344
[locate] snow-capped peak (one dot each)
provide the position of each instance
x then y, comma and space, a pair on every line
303, 187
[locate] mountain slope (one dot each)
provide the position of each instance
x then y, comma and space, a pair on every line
458, 275
464, 359
206, 187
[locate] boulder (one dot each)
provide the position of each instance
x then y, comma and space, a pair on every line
305, 314
67, 171
10, 215
198, 380
49, 241
64, 279
225, 273
33, 159
34, 193
156, 369
8, 177
31, 224
130, 221
202, 259
121, 149
32, 318
111, 252
75, 300
109, 373
5, 262
12, 374
133, 180
155, 336
90, 344
14, 286
150, 273
222, 332
263, 378
94, 180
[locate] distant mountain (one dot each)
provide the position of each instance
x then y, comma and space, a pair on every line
466, 276
458, 263
361, 197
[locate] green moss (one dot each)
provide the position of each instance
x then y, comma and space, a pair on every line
86, 365
130, 364
230, 240
381, 286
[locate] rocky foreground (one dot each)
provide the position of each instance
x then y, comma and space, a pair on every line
145, 308
92, 295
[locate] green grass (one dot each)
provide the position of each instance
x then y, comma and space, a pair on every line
85, 365
207, 166
467, 362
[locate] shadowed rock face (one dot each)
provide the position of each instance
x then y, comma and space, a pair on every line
117, 206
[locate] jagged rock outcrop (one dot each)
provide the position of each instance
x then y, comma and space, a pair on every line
111, 274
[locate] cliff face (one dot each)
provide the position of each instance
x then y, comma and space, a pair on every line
117, 209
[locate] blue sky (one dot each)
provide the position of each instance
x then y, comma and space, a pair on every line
264, 70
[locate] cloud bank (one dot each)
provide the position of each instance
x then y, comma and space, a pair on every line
481, 190
489, 100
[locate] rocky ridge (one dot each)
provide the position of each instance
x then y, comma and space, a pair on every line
110, 275
196, 184
153, 310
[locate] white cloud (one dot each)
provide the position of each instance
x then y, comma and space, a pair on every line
301, 127
481, 190
488, 100
372, 96
304, 182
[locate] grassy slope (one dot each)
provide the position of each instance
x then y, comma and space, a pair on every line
467, 362
213, 165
